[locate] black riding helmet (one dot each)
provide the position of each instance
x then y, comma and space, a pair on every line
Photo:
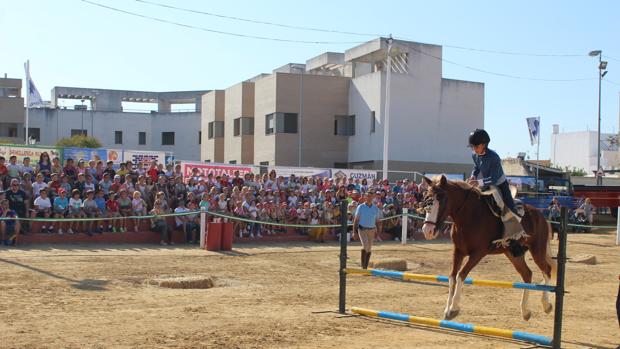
479, 136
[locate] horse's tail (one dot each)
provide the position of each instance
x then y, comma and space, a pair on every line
549, 255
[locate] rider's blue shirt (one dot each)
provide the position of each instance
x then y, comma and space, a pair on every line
488, 167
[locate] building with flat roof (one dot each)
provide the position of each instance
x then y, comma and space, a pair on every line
140, 120
12, 113
329, 112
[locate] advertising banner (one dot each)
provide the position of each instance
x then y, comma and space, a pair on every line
301, 171
355, 174
32, 152
217, 169
85, 154
114, 155
450, 176
137, 156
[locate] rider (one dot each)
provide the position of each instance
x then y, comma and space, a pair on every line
488, 166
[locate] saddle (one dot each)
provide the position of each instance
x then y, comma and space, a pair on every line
493, 199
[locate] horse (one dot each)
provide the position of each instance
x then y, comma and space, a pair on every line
475, 229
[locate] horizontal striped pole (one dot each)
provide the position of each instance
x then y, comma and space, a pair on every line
489, 331
440, 278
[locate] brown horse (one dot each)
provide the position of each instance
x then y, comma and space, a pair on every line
474, 231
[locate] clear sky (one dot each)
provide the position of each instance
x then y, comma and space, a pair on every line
72, 43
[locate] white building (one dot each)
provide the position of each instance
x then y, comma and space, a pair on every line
165, 127
578, 150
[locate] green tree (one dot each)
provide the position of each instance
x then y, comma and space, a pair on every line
576, 172
79, 142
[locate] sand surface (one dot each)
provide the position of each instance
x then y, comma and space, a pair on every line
280, 296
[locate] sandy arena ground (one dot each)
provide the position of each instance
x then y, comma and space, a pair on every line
279, 296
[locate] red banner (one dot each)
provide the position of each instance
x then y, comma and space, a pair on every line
205, 168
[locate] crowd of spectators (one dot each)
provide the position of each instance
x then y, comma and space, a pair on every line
95, 189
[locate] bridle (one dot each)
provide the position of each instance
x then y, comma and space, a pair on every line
457, 212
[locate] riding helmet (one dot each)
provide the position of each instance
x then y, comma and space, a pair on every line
479, 136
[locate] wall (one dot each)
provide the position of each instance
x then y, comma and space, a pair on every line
239, 103
212, 109
265, 103
578, 150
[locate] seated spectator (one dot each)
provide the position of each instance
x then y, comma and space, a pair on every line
138, 207
75, 211
588, 210
43, 209
91, 210
113, 213
9, 228
60, 208
159, 225
124, 204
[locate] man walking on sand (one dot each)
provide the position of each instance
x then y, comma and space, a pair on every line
365, 225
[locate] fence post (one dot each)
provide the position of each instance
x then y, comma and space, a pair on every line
343, 257
203, 226
618, 228
404, 224
559, 285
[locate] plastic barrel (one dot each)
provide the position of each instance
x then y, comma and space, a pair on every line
214, 236
227, 236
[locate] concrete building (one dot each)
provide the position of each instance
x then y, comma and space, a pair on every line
12, 113
331, 112
212, 126
239, 123
578, 150
101, 113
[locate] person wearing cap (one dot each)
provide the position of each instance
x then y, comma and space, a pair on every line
60, 208
116, 184
365, 225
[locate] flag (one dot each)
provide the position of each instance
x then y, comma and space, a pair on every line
533, 124
33, 97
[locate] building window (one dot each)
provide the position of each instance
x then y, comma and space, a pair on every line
167, 138
208, 160
233, 162
75, 132
373, 122
344, 125
216, 129
281, 123
237, 127
118, 137
142, 138
34, 133
199, 137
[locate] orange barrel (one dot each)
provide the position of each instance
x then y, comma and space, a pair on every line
227, 236
214, 236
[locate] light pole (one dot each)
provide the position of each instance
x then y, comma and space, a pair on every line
602, 65
302, 70
82, 110
386, 118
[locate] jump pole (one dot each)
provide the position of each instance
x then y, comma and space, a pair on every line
559, 284
441, 278
343, 258
489, 331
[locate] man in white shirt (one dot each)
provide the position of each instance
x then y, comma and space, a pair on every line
43, 209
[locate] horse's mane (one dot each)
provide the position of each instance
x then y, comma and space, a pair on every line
466, 186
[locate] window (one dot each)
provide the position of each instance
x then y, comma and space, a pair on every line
34, 133
216, 129
208, 160
270, 124
373, 122
233, 162
237, 127
167, 138
243, 126
118, 137
344, 125
142, 138
199, 137
281, 123
12, 131
76, 132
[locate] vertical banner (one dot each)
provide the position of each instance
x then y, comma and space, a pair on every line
533, 125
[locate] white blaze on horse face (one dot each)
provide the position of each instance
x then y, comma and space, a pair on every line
430, 229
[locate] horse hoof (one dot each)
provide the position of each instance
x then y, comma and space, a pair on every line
451, 315
548, 308
527, 316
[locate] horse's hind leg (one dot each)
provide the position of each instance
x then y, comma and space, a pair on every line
526, 275
546, 264
457, 260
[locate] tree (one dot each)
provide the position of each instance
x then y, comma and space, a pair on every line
576, 172
79, 142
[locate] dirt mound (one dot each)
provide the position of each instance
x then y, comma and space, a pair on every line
185, 282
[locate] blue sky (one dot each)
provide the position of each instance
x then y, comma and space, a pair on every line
72, 43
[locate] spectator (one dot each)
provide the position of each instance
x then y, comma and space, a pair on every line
91, 210
43, 209
18, 200
9, 228
113, 213
61, 208
588, 210
124, 204
75, 211
139, 208
158, 223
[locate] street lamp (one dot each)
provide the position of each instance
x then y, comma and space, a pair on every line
82, 109
302, 70
602, 65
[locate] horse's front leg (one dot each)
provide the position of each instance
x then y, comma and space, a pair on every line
457, 260
472, 261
